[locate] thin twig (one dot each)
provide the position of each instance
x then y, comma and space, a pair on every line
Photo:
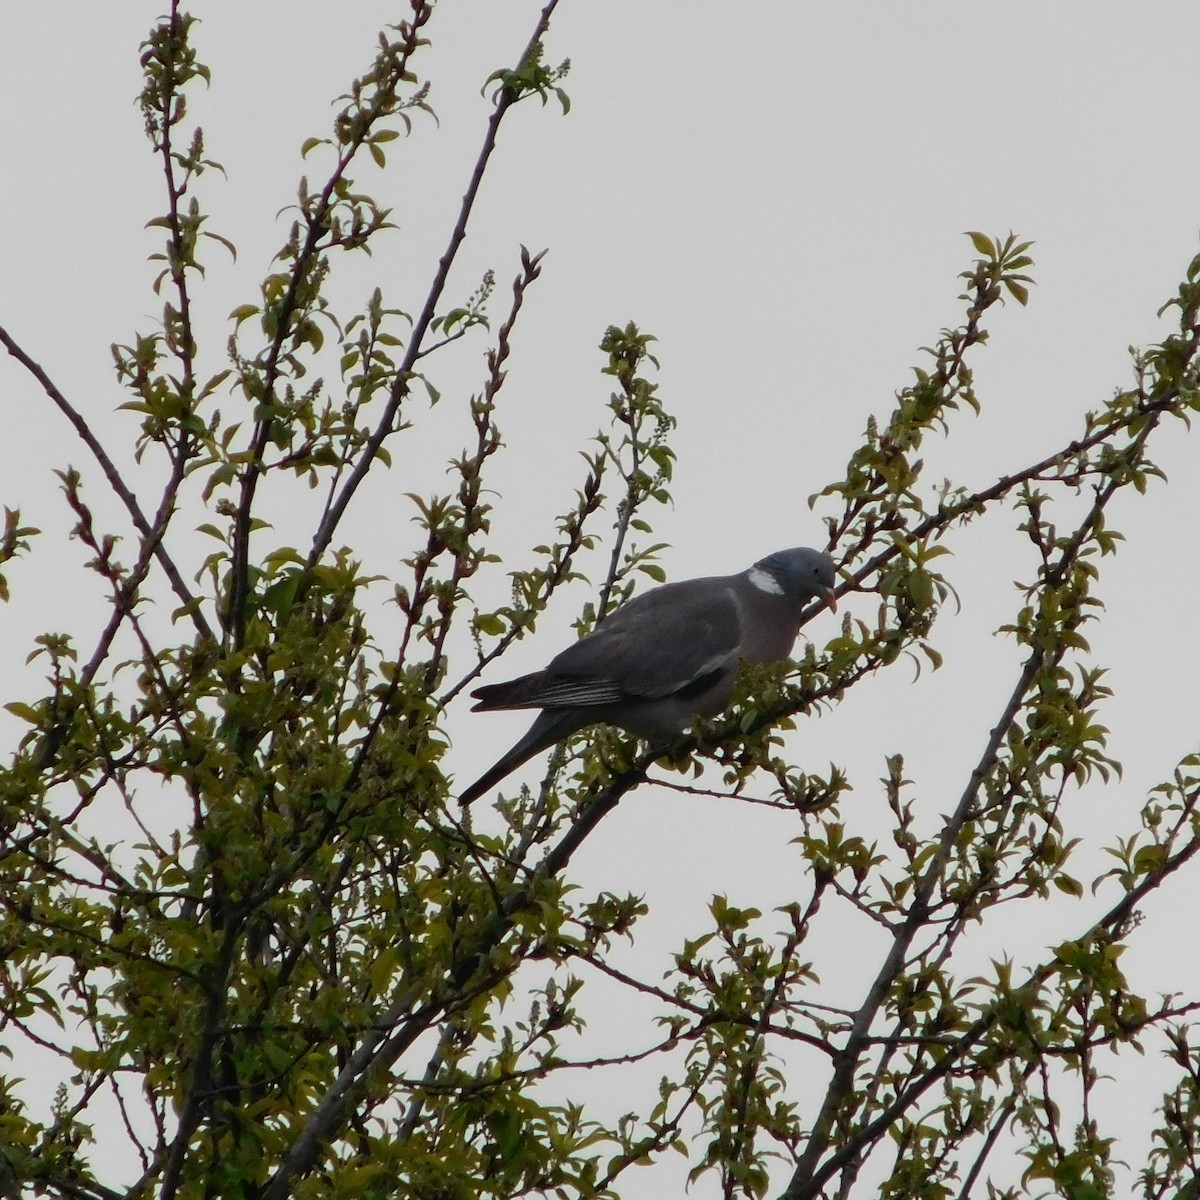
118, 485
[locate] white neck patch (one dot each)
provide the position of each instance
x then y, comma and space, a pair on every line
764, 581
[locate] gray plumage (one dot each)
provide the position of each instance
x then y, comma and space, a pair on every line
666, 656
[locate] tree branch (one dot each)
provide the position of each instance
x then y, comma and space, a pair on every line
89, 439
403, 381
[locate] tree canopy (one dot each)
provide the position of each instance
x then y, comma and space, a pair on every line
251, 936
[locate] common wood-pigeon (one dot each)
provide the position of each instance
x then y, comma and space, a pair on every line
668, 655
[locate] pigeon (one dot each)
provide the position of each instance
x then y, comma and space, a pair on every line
663, 658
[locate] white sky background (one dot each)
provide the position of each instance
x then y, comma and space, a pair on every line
778, 193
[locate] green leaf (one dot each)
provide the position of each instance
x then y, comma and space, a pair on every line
26, 712
244, 312
489, 624
1019, 292
1068, 885
982, 243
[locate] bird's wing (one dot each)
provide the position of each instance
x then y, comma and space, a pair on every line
654, 646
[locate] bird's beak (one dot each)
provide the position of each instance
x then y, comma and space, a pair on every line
830, 598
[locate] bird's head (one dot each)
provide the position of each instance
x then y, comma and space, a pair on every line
801, 574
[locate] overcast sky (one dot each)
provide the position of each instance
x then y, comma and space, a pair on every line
777, 191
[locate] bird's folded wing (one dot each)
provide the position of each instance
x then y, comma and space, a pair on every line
563, 691
545, 690
655, 646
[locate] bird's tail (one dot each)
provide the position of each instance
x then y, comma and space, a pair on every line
550, 727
